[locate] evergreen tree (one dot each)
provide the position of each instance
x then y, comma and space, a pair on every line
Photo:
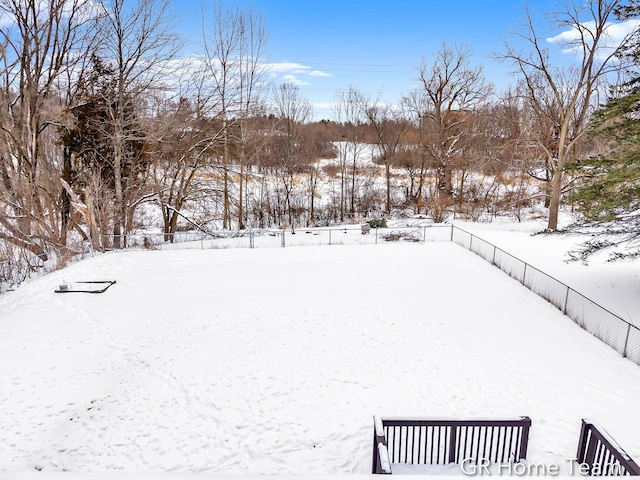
609, 200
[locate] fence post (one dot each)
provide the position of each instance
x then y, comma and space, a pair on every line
376, 235
251, 240
471, 243
451, 232
524, 274
566, 301
283, 241
493, 261
626, 342
329, 236
424, 234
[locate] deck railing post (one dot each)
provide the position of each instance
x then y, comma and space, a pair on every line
453, 431
582, 442
524, 439
374, 467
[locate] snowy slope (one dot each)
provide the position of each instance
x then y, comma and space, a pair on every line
275, 360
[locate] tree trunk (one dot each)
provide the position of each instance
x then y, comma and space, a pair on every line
240, 197
65, 213
554, 200
119, 193
388, 175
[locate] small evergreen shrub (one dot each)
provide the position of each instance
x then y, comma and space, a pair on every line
378, 223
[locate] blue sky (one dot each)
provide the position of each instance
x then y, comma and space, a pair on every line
375, 46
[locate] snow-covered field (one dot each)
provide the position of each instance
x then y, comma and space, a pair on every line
274, 360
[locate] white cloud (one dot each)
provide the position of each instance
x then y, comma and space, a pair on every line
82, 11
618, 31
6, 19
293, 80
615, 33
324, 105
319, 73
294, 69
286, 67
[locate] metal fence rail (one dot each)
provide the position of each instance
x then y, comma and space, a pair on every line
601, 454
444, 441
612, 329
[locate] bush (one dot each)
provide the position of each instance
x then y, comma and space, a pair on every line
399, 236
377, 223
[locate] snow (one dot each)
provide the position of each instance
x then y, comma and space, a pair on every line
405, 469
613, 285
275, 360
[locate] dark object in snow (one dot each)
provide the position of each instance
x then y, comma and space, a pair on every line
106, 284
378, 223
600, 455
366, 228
441, 442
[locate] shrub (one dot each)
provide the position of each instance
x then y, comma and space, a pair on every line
378, 223
399, 236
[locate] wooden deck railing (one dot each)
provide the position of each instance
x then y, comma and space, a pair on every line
443, 441
600, 453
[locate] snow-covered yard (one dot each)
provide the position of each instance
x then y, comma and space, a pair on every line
274, 360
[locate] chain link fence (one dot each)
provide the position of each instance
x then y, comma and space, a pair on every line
613, 330
16, 265
273, 238
19, 266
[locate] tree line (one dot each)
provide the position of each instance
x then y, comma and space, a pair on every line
101, 117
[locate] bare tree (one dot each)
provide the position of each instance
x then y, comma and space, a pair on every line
234, 41
451, 90
320, 147
389, 124
293, 111
349, 114
415, 105
564, 97
40, 43
138, 45
184, 143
